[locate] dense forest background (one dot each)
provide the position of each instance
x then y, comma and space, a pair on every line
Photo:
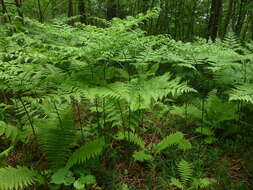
181, 19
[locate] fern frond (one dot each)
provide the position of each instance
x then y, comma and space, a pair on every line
242, 93
231, 41
11, 132
142, 156
185, 171
205, 131
86, 152
176, 182
17, 178
55, 139
173, 139
200, 183
131, 137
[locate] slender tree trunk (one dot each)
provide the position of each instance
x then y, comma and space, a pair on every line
70, 11
192, 22
81, 8
245, 27
252, 27
53, 5
150, 29
228, 17
20, 13
166, 17
145, 5
5, 12
40, 13
213, 25
111, 9
241, 17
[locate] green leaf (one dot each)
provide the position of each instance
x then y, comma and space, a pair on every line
18, 178
142, 156
176, 182
85, 152
63, 176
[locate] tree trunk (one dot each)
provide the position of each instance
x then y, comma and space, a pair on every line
191, 25
245, 28
213, 25
145, 6
241, 17
41, 16
228, 17
81, 8
111, 9
18, 6
252, 27
5, 12
53, 5
70, 11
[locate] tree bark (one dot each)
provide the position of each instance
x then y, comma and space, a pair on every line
252, 27
40, 13
18, 6
145, 5
111, 9
70, 11
53, 5
82, 12
213, 25
228, 17
191, 25
241, 17
5, 11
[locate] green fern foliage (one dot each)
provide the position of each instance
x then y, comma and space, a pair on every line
130, 137
187, 181
185, 171
55, 140
171, 140
242, 93
142, 156
11, 132
17, 178
200, 183
176, 182
231, 41
87, 151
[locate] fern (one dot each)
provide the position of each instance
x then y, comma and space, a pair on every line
173, 139
176, 182
200, 183
55, 139
243, 93
187, 181
11, 132
185, 171
18, 178
142, 156
85, 152
231, 41
131, 137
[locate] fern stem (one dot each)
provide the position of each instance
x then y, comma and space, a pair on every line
139, 102
28, 115
202, 125
129, 117
121, 113
57, 112
98, 123
80, 120
103, 102
186, 114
